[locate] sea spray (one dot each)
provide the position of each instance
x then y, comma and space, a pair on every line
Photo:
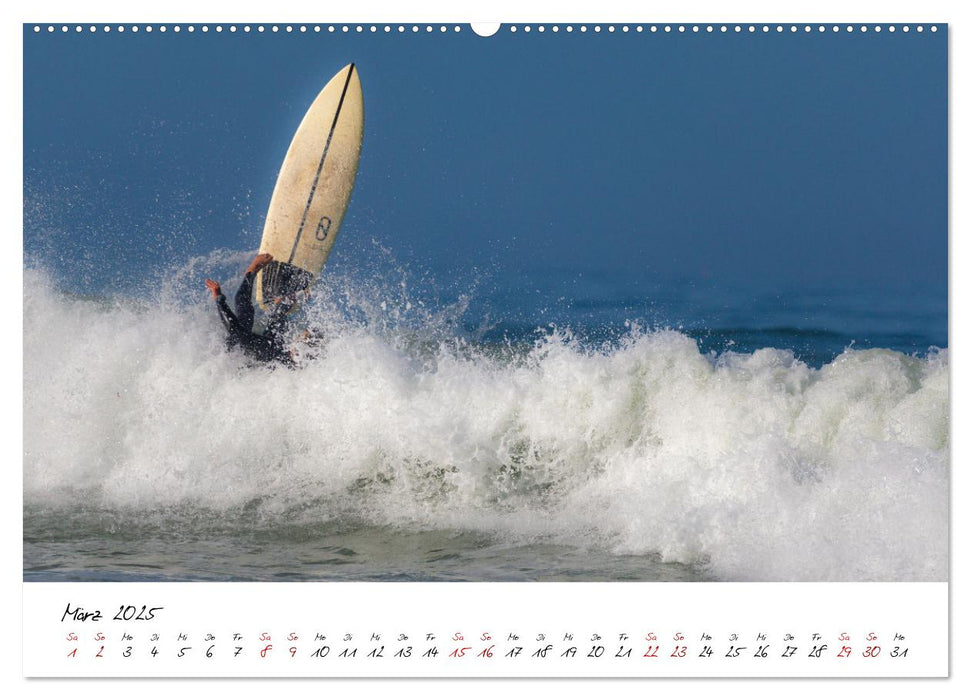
747, 466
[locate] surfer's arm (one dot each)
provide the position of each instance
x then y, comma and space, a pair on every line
226, 314
245, 313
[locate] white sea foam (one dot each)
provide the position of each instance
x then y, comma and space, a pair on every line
754, 465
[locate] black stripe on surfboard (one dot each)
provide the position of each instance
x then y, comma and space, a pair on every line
320, 165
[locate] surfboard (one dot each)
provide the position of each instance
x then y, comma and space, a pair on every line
313, 188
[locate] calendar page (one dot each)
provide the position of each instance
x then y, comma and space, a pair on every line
524, 349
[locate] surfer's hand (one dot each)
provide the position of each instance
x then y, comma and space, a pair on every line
213, 286
259, 262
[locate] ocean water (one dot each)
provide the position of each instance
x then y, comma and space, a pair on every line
549, 426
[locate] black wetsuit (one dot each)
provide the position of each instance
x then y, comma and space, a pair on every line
267, 347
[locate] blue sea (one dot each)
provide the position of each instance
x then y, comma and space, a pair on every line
484, 424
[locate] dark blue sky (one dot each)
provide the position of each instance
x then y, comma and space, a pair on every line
788, 159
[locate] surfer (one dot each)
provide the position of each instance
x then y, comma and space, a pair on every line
268, 346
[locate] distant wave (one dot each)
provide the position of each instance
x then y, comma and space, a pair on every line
752, 465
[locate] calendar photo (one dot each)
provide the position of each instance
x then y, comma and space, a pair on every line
374, 304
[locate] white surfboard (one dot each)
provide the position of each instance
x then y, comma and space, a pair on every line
313, 188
